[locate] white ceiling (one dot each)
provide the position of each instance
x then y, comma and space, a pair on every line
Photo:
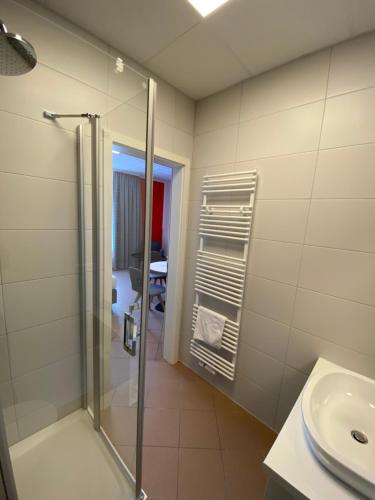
241, 39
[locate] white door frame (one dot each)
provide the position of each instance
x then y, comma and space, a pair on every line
178, 229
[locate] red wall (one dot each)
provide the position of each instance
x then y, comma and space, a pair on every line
157, 212
157, 209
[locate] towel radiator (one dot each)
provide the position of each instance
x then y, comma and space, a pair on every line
225, 218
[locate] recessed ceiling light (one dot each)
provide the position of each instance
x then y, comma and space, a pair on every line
205, 7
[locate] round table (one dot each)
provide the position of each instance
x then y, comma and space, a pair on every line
160, 266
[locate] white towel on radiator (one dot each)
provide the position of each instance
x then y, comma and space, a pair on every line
209, 327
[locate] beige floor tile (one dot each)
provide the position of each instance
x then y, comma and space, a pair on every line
225, 405
196, 396
123, 369
244, 432
160, 469
164, 395
201, 475
151, 350
198, 429
161, 427
126, 394
158, 372
199, 444
118, 350
186, 373
159, 352
244, 475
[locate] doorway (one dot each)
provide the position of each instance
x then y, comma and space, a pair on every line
128, 191
127, 195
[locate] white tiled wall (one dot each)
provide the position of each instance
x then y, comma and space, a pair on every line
39, 306
309, 129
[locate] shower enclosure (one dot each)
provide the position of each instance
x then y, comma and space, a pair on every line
55, 287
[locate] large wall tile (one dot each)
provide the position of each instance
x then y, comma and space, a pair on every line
304, 350
269, 298
164, 135
348, 119
35, 203
57, 384
293, 131
196, 179
129, 122
36, 347
165, 104
37, 420
346, 323
215, 148
351, 65
49, 253
12, 433
260, 368
2, 319
192, 243
7, 402
275, 260
44, 88
184, 113
350, 275
46, 151
292, 385
283, 220
264, 334
4, 360
219, 110
283, 177
193, 217
255, 399
345, 224
182, 143
127, 87
31, 303
346, 173
299, 82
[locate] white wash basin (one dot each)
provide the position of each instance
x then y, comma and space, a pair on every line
338, 408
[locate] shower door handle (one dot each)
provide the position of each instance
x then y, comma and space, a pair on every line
130, 334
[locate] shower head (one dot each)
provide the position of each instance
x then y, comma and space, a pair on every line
17, 55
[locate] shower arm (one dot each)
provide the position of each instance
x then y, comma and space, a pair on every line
50, 115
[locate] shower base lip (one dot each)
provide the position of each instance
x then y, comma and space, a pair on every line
68, 459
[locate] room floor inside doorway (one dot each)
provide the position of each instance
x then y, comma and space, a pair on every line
198, 444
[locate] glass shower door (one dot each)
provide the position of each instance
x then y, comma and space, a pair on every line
118, 234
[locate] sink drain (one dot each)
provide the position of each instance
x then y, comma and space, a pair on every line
360, 437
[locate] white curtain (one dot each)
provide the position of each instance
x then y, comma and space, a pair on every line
127, 223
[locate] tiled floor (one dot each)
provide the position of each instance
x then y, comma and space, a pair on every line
198, 444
